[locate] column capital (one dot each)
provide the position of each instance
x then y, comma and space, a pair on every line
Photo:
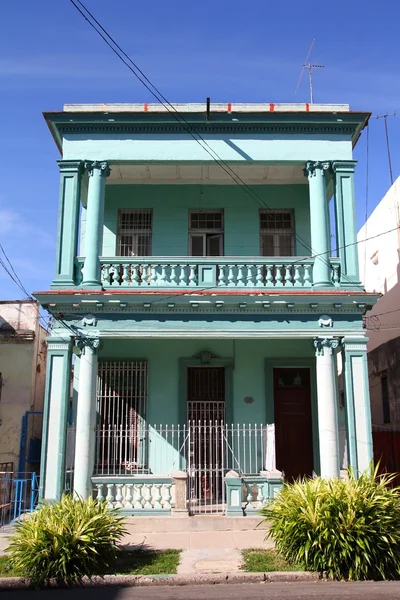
100, 166
83, 343
71, 166
354, 344
55, 343
313, 167
346, 166
325, 344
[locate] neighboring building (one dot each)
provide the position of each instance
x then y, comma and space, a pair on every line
191, 303
22, 382
380, 272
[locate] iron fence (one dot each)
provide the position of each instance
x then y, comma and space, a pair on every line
19, 494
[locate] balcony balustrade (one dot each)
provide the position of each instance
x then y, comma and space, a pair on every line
221, 272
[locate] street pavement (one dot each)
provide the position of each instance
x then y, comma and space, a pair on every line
266, 591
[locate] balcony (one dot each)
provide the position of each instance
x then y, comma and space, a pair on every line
208, 272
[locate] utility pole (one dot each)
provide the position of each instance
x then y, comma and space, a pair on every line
384, 117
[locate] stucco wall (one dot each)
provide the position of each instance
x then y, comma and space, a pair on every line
171, 205
23, 366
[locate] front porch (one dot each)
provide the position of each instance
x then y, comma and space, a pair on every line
172, 426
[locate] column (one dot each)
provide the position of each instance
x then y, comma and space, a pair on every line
68, 223
319, 217
357, 403
346, 230
328, 428
55, 416
98, 171
86, 417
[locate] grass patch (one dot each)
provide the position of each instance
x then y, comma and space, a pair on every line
6, 570
147, 562
263, 561
132, 562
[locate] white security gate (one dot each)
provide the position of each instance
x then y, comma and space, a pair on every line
121, 417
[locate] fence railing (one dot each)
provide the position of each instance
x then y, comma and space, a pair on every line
19, 494
220, 272
198, 446
145, 495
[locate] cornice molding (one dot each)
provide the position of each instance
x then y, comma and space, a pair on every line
71, 166
207, 128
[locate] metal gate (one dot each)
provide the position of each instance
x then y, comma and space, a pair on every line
206, 417
19, 494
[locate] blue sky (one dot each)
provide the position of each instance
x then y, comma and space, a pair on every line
230, 51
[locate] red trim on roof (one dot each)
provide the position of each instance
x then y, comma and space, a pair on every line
271, 107
202, 292
146, 107
229, 107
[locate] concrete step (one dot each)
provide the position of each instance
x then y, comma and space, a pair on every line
192, 524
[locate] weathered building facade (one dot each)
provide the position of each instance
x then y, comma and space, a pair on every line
196, 290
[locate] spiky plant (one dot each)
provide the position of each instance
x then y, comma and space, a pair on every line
66, 540
348, 528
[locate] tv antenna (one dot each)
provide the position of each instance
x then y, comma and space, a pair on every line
307, 65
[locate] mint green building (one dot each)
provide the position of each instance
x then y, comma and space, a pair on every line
199, 308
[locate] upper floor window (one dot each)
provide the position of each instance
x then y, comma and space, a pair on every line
134, 232
206, 233
277, 232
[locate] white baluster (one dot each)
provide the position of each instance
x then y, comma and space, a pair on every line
250, 275
260, 274
269, 277
147, 496
335, 274
138, 497
249, 498
167, 497
163, 276
110, 497
192, 275
128, 495
297, 276
99, 488
231, 276
174, 277
240, 276
118, 496
260, 495
278, 276
307, 276
157, 496
183, 276
153, 275
125, 274
288, 277
105, 274
221, 276
135, 275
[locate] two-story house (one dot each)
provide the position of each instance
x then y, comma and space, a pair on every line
196, 292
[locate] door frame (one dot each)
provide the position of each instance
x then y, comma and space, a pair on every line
293, 363
198, 361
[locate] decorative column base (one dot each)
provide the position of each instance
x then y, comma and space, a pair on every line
179, 480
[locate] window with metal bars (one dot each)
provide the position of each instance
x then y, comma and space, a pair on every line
277, 232
206, 233
134, 232
121, 417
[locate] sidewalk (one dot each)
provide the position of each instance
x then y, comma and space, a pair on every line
202, 551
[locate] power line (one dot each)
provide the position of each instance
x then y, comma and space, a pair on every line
176, 114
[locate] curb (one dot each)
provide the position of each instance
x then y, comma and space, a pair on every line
17, 583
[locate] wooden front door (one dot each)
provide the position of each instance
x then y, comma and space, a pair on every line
293, 422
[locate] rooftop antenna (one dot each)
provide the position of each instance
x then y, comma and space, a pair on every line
307, 65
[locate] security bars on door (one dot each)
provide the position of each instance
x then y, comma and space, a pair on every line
122, 413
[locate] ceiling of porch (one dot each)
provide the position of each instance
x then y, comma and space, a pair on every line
214, 173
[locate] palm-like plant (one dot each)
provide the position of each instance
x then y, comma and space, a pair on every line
66, 540
348, 528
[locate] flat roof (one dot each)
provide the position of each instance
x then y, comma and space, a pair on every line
214, 107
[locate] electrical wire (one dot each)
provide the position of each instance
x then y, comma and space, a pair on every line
176, 114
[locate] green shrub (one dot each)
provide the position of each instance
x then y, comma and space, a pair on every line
348, 528
66, 540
